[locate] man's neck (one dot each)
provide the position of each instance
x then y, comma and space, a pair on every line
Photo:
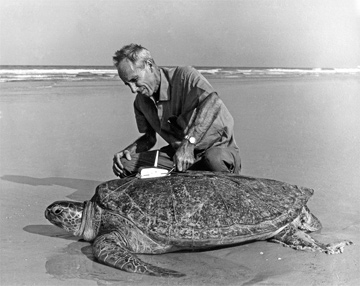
156, 94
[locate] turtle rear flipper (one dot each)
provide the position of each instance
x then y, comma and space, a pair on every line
109, 250
297, 239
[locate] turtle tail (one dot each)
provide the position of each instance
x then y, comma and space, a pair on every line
292, 236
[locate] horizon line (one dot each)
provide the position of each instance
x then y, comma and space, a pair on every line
196, 66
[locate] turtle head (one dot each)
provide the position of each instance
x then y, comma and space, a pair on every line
66, 215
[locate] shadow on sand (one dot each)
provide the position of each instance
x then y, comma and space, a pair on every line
50, 231
84, 188
77, 261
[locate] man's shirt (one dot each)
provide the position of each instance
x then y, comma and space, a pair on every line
181, 91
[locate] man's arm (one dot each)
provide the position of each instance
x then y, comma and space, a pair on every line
198, 126
142, 144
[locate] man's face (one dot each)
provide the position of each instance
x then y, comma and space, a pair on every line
140, 79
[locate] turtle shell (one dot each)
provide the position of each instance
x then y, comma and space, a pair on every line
204, 207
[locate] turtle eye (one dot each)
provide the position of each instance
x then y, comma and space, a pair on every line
57, 211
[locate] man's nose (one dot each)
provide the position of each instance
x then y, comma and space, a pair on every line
133, 87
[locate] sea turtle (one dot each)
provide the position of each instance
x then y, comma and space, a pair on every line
188, 211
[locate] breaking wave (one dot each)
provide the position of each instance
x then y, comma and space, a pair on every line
76, 73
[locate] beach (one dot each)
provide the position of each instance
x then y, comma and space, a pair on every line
57, 143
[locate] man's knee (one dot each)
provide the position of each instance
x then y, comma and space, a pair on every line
214, 156
222, 160
126, 163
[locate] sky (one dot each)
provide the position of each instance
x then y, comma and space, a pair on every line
241, 33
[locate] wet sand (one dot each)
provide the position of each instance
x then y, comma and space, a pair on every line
57, 142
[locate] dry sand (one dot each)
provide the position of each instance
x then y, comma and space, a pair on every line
57, 142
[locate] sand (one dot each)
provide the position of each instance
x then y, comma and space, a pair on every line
58, 139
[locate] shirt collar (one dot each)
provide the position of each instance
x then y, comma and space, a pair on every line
164, 85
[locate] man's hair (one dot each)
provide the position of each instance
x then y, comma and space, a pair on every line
134, 53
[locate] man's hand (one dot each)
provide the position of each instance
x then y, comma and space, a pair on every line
118, 168
184, 157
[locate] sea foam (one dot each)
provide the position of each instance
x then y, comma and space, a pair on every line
74, 73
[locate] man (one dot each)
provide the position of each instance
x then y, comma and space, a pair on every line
182, 107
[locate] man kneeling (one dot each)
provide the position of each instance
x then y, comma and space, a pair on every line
183, 108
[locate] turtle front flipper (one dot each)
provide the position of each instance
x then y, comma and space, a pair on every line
297, 239
111, 250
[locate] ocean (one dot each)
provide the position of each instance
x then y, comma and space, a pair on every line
108, 73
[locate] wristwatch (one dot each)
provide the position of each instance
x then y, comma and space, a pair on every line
191, 139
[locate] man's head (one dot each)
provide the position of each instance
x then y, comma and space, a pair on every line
137, 69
